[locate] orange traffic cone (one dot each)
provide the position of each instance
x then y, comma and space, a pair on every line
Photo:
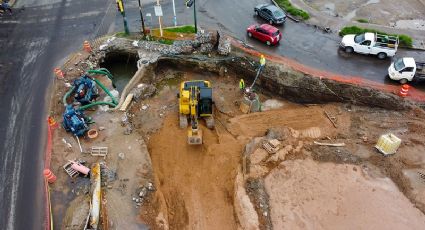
404, 90
52, 122
86, 46
58, 73
51, 178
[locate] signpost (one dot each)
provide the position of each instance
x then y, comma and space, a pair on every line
158, 13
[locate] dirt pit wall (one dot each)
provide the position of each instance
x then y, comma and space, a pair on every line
179, 204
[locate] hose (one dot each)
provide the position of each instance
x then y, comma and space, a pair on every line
97, 103
103, 71
114, 100
67, 95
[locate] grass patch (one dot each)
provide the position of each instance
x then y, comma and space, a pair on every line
362, 20
165, 41
182, 29
405, 40
285, 4
122, 35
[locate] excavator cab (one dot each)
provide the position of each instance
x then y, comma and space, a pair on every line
195, 102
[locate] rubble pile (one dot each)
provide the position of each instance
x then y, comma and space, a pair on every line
224, 46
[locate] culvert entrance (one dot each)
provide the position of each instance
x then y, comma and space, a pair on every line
123, 66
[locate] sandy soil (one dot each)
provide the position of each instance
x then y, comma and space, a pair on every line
301, 186
195, 181
310, 195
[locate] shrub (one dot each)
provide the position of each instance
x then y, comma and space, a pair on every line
182, 29
405, 40
285, 4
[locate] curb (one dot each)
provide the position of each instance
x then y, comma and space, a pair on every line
287, 14
415, 95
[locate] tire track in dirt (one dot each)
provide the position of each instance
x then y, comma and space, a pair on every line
196, 182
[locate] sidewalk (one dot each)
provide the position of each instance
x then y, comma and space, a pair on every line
336, 23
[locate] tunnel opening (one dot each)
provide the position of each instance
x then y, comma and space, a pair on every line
123, 66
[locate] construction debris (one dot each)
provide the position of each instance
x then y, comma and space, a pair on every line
77, 166
126, 102
271, 146
99, 151
331, 118
329, 144
69, 170
95, 210
388, 144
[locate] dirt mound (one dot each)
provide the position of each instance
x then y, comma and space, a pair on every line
311, 121
329, 196
196, 182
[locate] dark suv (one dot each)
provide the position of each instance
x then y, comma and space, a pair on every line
271, 13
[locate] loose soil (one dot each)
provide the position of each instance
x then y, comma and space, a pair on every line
196, 188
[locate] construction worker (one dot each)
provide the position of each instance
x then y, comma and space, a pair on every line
262, 62
242, 85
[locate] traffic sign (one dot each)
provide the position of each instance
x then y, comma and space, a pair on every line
158, 11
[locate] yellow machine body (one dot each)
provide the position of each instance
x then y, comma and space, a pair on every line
195, 101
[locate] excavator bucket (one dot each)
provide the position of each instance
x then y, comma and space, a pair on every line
194, 137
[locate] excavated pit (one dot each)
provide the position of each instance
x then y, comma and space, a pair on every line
196, 185
122, 66
204, 187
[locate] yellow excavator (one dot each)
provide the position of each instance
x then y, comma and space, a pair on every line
195, 102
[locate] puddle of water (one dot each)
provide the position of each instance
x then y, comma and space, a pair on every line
353, 13
122, 67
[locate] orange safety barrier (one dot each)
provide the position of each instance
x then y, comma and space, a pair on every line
58, 72
404, 90
86, 46
51, 178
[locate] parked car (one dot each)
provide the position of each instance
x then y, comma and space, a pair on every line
271, 13
265, 33
406, 69
371, 43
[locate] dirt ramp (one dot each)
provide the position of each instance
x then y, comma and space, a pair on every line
196, 182
311, 121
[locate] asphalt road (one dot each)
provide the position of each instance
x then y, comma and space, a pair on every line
301, 42
32, 42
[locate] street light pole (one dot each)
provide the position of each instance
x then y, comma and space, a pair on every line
174, 11
141, 18
120, 5
194, 16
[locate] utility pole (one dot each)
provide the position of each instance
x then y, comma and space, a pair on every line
120, 5
174, 11
141, 18
189, 3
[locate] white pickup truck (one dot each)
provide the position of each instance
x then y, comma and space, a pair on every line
406, 69
370, 43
